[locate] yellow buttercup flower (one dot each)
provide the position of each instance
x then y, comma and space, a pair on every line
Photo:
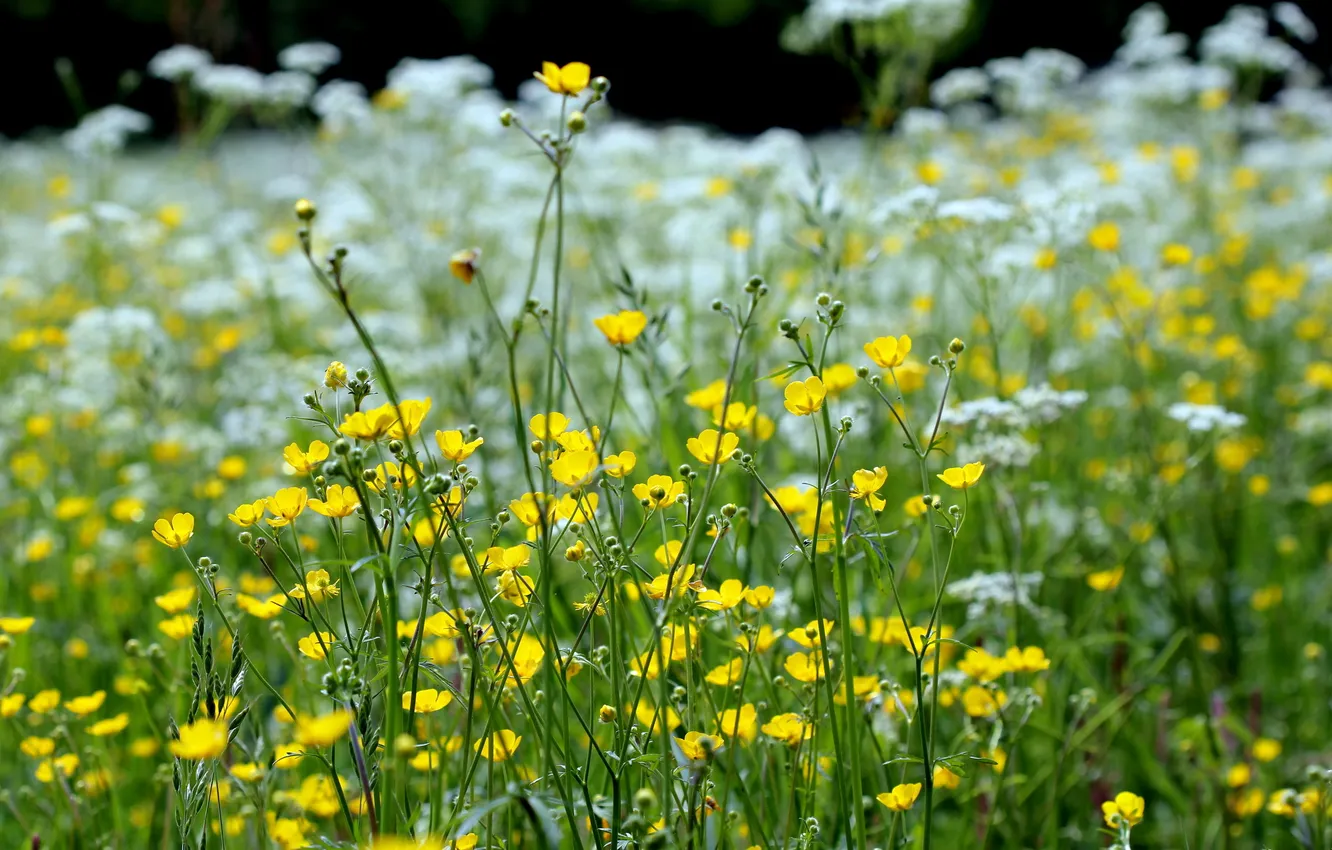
201, 740
175, 601
901, 798
574, 469
285, 505
889, 352
711, 447
176, 627
805, 397
316, 645
546, 428
500, 746
16, 625
454, 446
264, 609
463, 264
1105, 580
1125, 809
413, 413
569, 80
323, 730
83, 706
175, 532
866, 483
620, 465
1104, 236
428, 700
339, 501
109, 726
305, 460
369, 424
698, 746
498, 558
709, 397
622, 328
660, 491
247, 515
962, 477
320, 584
389, 474
787, 728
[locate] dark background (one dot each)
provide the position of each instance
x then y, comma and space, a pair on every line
712, 61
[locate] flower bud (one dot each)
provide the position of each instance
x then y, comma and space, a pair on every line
606, 714
600, 85
506, 118
577, 122
305, 210
957, 346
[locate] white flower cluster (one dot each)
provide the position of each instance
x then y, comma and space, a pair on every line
988, 592
1205, 417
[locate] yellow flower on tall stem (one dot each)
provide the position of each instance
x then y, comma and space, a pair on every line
570, 79
962, 477
622, 328
805, 397
176, 532
901, 798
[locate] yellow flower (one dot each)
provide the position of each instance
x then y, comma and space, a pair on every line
709, 397
285, 505
787, 728
11, 704
1029, 659
710, 447
805, 667
726, 674
1104, 236
264, 609
730, 594
514, 587
320, 584
454, 446
413, 414
203, 739
1238, 775
175, 601
660, 491
1105, 580
622, 328
742, 724
247, 771
323, 730
962, 477
335, 376
570, 80
338, 501
866, 483
83, 706
109, 726
304, 461
247, 515
1266, 749
463, 264
37, 748
1320, 495
68, 763
1175, 254
901, 798
805, 397
620, 465
316, 645
980, 702
500, 746
428, 700
176, 532
543, 429
369, 424
574, 469
945, 778
1125, 809
176, 627
388, 473
16, 625
889, 352
698, 746
498, 558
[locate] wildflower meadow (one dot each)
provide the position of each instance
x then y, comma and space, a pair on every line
421, 469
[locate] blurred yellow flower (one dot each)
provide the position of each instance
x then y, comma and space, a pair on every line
622, 328
568, 80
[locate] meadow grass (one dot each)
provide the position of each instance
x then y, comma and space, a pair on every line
961, 486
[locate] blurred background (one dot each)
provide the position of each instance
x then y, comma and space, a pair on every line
718, 62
